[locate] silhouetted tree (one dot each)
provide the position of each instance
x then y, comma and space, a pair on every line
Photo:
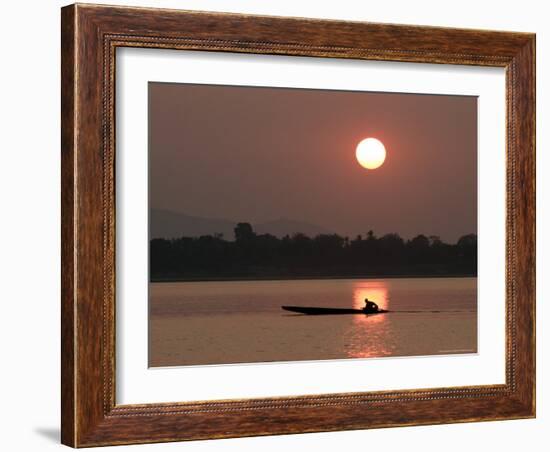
467, 241
467, 250
244, 232
419, 244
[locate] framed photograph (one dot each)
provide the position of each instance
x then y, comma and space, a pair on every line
282, 225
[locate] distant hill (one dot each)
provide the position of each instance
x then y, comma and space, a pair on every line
167, 224
282, 227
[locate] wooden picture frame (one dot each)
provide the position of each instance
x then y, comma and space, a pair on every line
90, 36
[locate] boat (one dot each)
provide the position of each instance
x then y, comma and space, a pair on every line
330, 311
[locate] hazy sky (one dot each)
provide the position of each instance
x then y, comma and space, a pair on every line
260, 154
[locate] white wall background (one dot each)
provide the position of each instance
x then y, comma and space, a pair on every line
29, 234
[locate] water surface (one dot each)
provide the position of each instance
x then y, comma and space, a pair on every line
222, 322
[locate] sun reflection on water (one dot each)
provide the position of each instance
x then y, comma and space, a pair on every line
368, 335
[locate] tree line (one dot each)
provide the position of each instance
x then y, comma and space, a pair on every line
252, 255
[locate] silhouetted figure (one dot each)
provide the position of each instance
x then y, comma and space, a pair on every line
370, 306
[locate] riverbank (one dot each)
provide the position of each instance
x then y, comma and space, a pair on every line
310, 277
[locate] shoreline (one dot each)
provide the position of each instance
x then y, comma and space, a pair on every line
305, 278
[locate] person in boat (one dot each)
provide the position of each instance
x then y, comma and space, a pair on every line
370, 306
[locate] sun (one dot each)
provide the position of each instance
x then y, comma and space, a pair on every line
370, 153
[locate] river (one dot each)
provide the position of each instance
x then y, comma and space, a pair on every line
223, 322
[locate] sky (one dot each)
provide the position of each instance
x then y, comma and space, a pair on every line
252, 154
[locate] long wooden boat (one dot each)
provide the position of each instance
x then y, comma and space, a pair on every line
329, 311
